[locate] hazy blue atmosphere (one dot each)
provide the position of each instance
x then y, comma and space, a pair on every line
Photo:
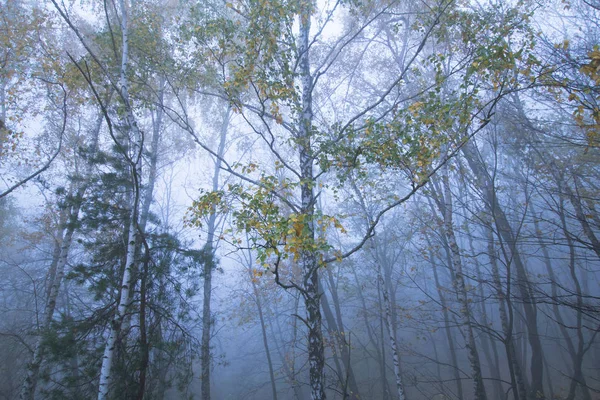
299, 199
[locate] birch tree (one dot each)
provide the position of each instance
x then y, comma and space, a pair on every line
274, 84
135, 139
66, 230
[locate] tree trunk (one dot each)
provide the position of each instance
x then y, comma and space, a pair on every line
146, 202
263, 330
308, 259
491, 353
389, 323
334, 334
123, 304
209, 266
289, 359
554, 291
506, 319
461, 290
578, 378
387, 303
378, 345
536, 391
392, 337
68, 223
342, 341
488, 343
33, 367
144, 346
3, 127
447, 326
581, 215
135, 141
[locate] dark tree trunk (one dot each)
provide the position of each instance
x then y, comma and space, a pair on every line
447, 325
536, 391
506, 319
343, 341
208, 267
461, 290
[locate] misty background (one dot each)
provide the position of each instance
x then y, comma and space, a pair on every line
296, 199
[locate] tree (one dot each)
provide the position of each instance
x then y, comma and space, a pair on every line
274, 85
390, 175
27, 70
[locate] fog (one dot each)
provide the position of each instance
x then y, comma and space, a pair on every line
299, 200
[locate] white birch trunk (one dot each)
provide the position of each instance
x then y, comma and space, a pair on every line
57, 271
388, 319
132, 231
117, 321
387, 305
148, 193
308, 259
392, 336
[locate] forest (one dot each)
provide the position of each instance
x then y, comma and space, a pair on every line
300, 199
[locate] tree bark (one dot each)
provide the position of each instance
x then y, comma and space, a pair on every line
488, 344
308, 259
578, 378
536, 391
67, 227
331, 328
392, 337
209, 266
581, 215
506, 320
135, 160
343, 342
144, 346
123, 304
447, 327
378, 345
289, 359
259, 307
387, 303
461, 290
143, 219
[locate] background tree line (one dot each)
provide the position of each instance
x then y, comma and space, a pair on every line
299, 199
